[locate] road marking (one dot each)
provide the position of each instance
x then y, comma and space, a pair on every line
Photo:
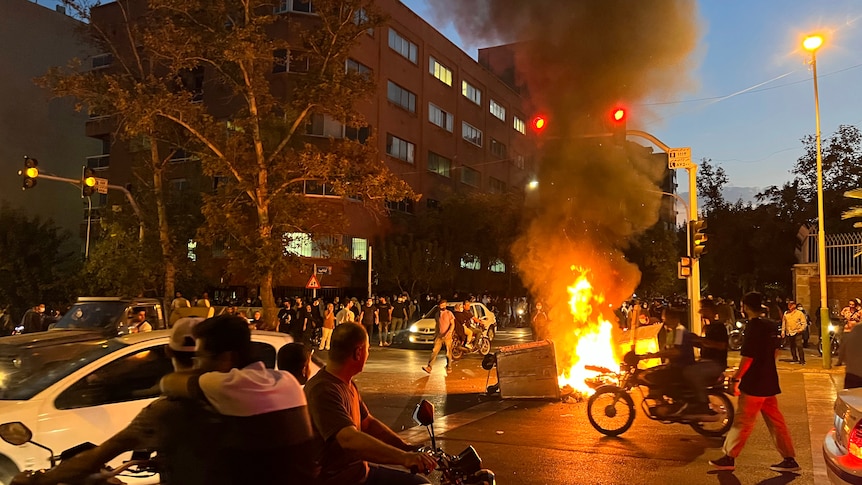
447, 423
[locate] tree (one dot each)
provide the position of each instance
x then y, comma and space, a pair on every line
38, 264
413, 265
654, 251
253, 139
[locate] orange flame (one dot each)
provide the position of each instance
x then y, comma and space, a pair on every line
593, 333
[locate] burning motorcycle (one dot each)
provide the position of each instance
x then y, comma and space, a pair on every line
18, 434
611, 409
462, 469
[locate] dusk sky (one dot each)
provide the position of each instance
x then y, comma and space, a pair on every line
754, 100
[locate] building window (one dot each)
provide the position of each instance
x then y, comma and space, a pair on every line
179, 185
471, 133
440, 118
191, 250
470, 176
303, 6
471, 262
519, 125
498, 149
360, 134
471, 92
298, 62
399, 148
179, 156
403, 46
297, 244
401, 97
439, 164
102, 61
497, 266
405, 206
498, 111
518, 160
352, 65
323, 125
496, 186
99, 162
279, 61
359, 249
441, 72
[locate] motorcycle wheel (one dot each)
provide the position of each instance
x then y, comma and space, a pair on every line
834, 347
491, 333
720, 403
484, 345
734, 342
457, 351
611, 410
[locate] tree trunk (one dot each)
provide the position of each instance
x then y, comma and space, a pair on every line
268, 301
164, 228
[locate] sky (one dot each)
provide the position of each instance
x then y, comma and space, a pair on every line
753, 100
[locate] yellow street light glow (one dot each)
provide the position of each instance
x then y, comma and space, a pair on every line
90, 181
31, 172
533, 184
812, 42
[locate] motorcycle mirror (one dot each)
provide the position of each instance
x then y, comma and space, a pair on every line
489, 361
16, 433
424, 413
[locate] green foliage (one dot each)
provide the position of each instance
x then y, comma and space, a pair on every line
38, 263
120, 265
655, 251
415, 266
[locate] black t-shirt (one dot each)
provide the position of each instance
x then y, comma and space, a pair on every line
383, 312
760, 344
399, 309
368, 315
716, 332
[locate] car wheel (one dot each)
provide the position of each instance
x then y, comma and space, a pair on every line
8, 470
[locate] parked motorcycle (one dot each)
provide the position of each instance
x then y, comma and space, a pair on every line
18, 434
735, 333
834, 341
462, 469
611, 409
481, 343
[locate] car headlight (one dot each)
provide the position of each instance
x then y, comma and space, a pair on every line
414, 328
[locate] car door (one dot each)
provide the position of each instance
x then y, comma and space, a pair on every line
101, 399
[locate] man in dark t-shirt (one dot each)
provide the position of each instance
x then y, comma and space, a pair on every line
384, 317
713, 358
346, 435
756, 384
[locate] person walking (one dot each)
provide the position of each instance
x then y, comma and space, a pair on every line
793, 324
756, 384
384, 321
328, 326
444, 329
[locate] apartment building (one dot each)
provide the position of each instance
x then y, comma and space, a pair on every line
442, 122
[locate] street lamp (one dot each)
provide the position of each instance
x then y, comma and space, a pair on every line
811, 44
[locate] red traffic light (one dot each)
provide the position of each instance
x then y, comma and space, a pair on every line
618, 115
538, 123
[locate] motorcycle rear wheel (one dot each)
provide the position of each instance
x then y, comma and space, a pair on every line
720, 403
611, 410
735, 341
457, 350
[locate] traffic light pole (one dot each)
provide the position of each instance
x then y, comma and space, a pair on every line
124, 190
694, 279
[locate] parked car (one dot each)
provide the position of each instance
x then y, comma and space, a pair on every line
69, 392
422, 331
842, 448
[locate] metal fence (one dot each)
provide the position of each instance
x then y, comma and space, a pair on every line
842, 253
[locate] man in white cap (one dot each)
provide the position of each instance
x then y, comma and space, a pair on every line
182, 433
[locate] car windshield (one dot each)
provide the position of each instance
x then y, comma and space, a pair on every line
95, 315
26, 372
432, 313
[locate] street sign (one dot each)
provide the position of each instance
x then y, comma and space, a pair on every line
324, 270
101, 185
679, 158
313, 284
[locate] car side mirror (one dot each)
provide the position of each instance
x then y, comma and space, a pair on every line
16, 433
424, 413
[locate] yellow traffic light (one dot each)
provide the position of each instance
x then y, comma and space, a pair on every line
29, 173
88, 182
698, 237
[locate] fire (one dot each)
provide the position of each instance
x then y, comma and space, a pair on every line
592, 332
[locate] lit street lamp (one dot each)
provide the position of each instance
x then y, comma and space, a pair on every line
811, 44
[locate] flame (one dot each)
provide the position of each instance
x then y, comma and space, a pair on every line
592, 332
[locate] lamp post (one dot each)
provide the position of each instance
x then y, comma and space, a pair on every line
811, 44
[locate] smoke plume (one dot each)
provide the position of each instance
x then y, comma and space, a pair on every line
577, 60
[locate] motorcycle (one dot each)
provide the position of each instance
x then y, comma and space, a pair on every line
735, 333
462, 469
834, 341
18, 434
481, 343
611, 409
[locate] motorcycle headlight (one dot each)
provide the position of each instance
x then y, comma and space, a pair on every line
738, 324
831, 328
414, 328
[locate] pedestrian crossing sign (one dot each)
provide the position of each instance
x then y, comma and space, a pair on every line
313, 284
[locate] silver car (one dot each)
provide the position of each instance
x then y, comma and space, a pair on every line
842, 448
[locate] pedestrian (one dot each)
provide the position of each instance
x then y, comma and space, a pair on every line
204, 301
32, 319
793, 324
179, 302
368, 316
328, 326
345, 315
850, 352
443, 336
399, 316
384, 318
756, 384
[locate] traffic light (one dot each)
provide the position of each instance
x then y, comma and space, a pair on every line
683, 268
88, 182
698, 237
538, 123
30, 172
618, 124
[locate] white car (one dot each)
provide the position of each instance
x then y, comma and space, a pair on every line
71, 391
842, 448
422, 331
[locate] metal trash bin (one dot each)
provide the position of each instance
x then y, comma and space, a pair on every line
528, 371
